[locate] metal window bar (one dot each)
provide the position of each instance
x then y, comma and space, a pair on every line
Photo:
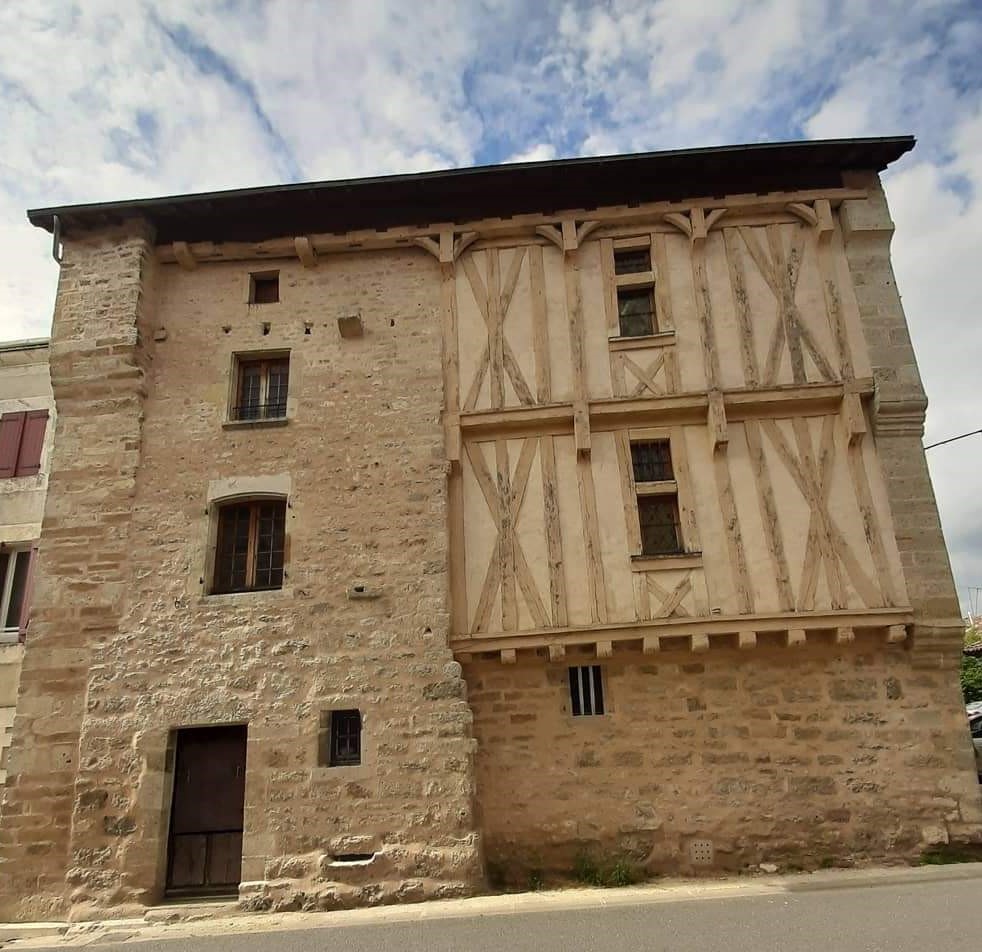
633, 261
636, 312
660, 525
345, 738
586, 690
652, 461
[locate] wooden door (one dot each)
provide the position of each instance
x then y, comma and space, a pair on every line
205, 844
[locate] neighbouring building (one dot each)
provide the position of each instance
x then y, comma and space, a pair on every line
26, 414
408, 532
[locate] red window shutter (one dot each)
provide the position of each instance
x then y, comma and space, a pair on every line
32, 443
11, 429
25, 605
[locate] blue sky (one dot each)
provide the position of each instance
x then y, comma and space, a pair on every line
102, 100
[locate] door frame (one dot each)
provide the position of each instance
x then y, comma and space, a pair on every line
166, 853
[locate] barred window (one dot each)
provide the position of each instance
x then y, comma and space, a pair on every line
251, 541
657, 495
339, 739
659, 518
632, 261
652, 461
586, 690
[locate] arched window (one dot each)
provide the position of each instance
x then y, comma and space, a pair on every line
250, 545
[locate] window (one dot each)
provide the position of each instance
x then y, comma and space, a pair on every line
636, 316
15, 574
586, 690
21, 442
339, 739
632, 260
249, 554
636, 311
264, 288
261, 388
657, 493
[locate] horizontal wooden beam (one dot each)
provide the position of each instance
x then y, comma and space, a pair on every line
813, 399
722, 631
402, 236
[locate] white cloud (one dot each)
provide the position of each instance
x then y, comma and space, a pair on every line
103, 101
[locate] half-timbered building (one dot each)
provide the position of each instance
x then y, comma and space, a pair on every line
411, 532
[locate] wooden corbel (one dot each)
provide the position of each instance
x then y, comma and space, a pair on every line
305, 251
445, 246
184, 256
852, 408
896, 634
817, 216
451, 438
697, 224
716, 421
568, 236
581, 427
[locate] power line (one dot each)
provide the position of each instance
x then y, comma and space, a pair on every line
952, 439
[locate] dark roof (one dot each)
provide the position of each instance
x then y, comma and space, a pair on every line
253, 214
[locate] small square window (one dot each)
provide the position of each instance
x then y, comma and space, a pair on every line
636, 312
586, 690
632, 261
339, 739
261, 388
264, 288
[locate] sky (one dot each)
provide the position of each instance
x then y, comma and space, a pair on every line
101, 100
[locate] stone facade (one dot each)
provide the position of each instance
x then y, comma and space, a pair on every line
462, 529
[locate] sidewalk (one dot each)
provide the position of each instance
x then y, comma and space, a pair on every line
204, 919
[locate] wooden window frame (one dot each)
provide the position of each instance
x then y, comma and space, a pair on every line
15, 554
662, 489
634, 281
258, 278
240, 412
329, 753
254, 505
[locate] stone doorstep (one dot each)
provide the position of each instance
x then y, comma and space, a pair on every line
31, 930
193, 910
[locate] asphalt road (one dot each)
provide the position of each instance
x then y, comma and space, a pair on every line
919, 917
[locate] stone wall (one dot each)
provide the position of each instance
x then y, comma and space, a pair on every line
362, 456
801, 758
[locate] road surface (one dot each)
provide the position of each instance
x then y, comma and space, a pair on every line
908, 917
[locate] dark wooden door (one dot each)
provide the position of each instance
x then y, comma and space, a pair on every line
205, 847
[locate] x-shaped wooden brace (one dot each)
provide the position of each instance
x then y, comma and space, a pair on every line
508, 564
645, 378
493, 302
671, 602
825, 544
780, 273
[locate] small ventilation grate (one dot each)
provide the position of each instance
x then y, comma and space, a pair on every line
701, 852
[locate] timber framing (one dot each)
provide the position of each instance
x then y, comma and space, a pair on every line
603, 222
690, 633
814, 399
